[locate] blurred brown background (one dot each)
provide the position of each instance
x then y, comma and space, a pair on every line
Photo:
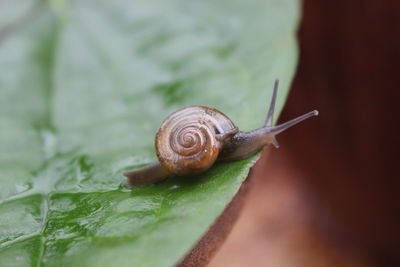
329, 196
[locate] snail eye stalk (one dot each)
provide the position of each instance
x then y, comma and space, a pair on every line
270, 115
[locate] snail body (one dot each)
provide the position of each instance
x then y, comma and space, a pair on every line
192, 139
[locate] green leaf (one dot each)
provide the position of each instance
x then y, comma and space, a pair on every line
84, 86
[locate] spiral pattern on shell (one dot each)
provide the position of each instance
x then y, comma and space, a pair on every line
187, 141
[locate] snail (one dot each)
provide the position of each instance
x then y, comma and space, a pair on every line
192, 139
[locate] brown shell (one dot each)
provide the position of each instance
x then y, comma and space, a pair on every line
190, 139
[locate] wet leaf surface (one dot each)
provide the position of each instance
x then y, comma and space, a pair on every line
84, 86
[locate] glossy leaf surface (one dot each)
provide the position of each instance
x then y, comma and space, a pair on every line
84, 86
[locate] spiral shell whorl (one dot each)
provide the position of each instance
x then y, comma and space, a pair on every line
186, 141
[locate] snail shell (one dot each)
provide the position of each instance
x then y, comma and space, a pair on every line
190, 139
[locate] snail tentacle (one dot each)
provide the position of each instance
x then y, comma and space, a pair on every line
271, 109
245, 144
